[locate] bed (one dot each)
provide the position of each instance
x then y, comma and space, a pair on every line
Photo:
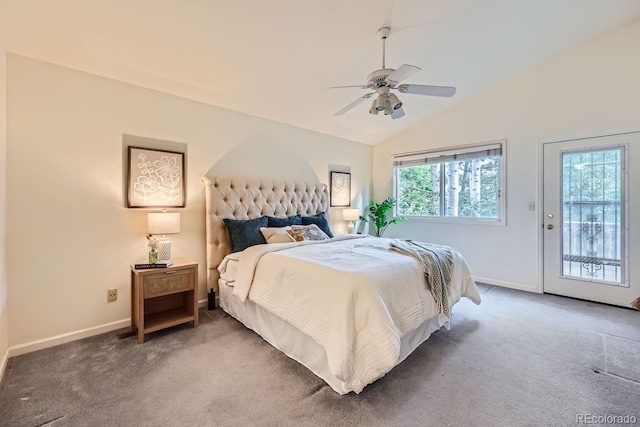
346, 307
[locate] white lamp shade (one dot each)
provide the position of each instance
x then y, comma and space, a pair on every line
351, 214
163, 223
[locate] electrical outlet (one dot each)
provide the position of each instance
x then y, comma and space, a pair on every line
112, 294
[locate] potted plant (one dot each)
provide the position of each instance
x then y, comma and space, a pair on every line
378, 216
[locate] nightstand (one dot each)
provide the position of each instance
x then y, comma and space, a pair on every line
164, 297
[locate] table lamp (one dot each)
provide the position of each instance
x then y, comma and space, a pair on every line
163, 223
351, 215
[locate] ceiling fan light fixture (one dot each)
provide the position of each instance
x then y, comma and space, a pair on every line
380, 101
395, 102
388, 109
373, 109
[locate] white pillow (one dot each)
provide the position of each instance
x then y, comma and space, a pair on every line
276, 234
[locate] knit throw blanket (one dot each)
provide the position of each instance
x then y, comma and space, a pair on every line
436, 264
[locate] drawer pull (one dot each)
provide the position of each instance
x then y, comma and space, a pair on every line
171, 272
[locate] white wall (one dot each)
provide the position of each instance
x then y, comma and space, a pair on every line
70, 236
4, 316
589, 90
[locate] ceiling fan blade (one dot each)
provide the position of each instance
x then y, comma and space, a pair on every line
397, 113
403, 72
340, 87
353, 104
444, 91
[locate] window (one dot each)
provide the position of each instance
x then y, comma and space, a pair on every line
463, 184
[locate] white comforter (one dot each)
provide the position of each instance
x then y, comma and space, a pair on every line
351, 294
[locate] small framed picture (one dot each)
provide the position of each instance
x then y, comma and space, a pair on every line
155, 178
340, 190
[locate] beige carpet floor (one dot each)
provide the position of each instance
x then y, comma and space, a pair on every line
518, 359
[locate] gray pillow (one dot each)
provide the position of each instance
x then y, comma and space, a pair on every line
245, 233
320, 220
283, 222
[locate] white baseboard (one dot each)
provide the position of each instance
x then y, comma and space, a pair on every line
3, 363
71, 336
68, 337
510, 285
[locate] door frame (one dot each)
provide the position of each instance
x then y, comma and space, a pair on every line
540, 184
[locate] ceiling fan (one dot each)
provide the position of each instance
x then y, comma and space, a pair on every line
384, 80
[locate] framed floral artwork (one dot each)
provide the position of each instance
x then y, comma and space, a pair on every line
340, 189
155, 178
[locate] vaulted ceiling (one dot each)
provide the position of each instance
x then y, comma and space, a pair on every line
275, 59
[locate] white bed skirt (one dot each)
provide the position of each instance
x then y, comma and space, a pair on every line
301, 347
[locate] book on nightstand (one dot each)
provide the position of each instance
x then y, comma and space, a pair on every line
163, 263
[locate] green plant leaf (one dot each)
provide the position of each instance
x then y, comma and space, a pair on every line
378, 214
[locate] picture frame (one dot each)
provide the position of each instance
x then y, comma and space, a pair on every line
155, 178
340, 189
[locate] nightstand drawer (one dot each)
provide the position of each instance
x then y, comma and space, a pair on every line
168, 282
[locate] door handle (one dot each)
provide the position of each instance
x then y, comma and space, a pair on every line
549, 226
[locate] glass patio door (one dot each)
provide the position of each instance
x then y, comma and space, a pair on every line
588, 241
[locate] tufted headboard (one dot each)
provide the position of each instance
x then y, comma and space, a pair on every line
240, 198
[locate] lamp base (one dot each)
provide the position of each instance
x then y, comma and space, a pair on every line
164, 248
350, 227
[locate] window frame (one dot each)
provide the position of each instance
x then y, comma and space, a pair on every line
458, 151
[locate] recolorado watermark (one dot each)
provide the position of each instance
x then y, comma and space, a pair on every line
605, 419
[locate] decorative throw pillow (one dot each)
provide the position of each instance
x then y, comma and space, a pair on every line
283, 222
245, 233
320, 220
277, 234
300, 233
